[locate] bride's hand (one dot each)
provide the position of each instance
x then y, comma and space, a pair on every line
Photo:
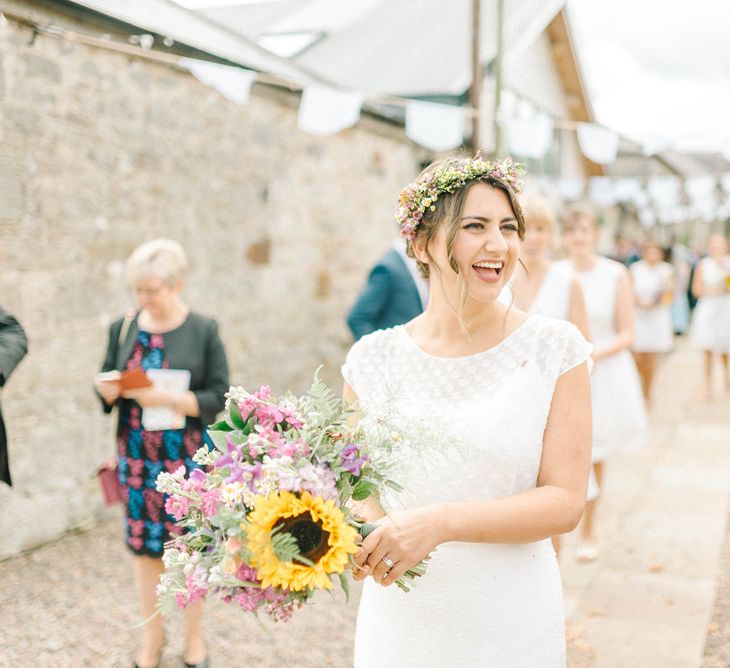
404, 538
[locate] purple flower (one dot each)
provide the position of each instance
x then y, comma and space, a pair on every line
351, 461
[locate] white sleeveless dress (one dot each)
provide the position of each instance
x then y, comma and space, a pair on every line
619, 414
553, 296
654, 329
711, 320
479, 604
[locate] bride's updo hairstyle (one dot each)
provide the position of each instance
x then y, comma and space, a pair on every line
450, 181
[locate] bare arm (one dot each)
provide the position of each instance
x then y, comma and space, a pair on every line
623, 317
577, 313
698, 287
554, 506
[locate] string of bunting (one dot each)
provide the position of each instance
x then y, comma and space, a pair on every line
325, 110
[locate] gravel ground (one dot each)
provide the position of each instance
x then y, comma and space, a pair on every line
717, 648
72, 603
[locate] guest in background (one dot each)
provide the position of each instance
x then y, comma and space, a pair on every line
543, 287
654, 287
13, 347
619, 416
394, 294
681, 258
711, 323
164, 334
625, 251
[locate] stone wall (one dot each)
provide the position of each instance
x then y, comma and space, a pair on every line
101, 151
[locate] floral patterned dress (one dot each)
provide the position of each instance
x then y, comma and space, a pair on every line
144, 454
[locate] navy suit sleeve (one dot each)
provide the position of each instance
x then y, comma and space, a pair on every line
13, 345
370, 303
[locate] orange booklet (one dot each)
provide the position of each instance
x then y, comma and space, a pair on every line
133, 379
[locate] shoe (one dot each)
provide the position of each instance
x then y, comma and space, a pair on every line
159, 658
205, 663
587, 551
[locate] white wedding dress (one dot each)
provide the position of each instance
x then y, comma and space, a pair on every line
473, 430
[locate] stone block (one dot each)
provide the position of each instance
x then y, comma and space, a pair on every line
42, 67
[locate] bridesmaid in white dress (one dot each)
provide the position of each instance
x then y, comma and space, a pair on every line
619, 415
543, 287
512, 394
653, 284
710, 330
539, 285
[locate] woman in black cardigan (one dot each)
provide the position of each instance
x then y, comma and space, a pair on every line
164, 334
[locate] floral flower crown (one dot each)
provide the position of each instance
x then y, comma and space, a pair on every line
420, 196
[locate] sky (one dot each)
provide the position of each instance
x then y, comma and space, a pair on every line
657, 71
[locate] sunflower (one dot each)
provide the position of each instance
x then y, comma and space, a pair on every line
323, 538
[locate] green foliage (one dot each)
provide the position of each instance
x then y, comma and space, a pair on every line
235, 419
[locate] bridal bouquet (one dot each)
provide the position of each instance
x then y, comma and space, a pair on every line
269, 523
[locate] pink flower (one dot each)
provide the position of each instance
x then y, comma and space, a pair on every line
246, 573
209, 502
250, 599
177, 506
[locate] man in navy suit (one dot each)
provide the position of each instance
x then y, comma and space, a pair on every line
394, 294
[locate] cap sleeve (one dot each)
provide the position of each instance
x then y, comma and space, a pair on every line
576, 350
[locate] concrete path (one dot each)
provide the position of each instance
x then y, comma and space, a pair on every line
646, 602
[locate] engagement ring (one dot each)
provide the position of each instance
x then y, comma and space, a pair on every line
387, 562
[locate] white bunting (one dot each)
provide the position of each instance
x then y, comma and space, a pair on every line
702, 193
602, 192
664, 190
647, 217
437, 127
233, 83
597, 143
627, 190
529, 137
570, 188
326, 111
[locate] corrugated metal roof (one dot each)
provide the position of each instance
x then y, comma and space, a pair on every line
166, 18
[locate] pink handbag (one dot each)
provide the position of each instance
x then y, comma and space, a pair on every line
111, 490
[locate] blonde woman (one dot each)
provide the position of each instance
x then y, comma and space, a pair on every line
163, 334
619, 416
544, 287
653, 282
710, 330
511, 393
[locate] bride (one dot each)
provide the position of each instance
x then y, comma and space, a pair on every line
512, 394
